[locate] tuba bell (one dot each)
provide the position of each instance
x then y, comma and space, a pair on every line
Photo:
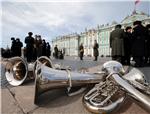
102, 98
17, 70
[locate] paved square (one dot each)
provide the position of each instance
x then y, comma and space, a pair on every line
19, 100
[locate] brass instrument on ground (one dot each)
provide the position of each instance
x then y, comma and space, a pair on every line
102, 98
48, 78
18, 70
110, 90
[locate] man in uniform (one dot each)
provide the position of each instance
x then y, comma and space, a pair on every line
19, 45
117, 43
56, 52
138, 48
13, 49
29, 40
81, 51
95, 50
127, 45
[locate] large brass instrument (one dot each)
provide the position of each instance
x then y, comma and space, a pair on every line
18, 70
110, 90
49, 78
102, 98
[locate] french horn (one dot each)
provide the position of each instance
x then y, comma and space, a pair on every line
102, 98
17, 70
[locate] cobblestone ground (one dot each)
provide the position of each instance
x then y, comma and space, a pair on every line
19, 100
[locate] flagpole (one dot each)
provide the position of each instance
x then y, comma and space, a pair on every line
134, 11
134, 7
149, 9
135, 3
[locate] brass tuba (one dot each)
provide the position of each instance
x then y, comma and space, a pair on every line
17, 70
112, 85
48, 78
108, 95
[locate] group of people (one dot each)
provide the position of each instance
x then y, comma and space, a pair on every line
95, 50
131, 43
16, 47
36, 47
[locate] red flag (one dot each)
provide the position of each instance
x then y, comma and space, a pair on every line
137, 1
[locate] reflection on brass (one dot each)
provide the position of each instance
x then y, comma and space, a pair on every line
48, 78
112, 86
18, 70
110, 94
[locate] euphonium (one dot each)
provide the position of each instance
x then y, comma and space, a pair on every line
18, 70
109, 94
106, 95
48, 78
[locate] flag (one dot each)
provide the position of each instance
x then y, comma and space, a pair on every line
137, 1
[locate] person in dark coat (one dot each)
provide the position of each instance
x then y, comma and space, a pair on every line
138, 47
60, 55
43, 48
6, 53
39, 46
48, 50
117, 43
95, 50
29, 40
35, 48
127, 45
19, 45
63, 51
147, 55
13, 49
81, 51
56, 52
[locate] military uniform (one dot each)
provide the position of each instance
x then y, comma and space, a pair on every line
117, 44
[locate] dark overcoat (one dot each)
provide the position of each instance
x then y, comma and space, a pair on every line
148, 43
117, 42
95, 50
29, 40
81, 51
56, 52
19, 45
127, 43
48, 52
139, 34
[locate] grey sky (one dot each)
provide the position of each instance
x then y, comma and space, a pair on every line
51, 19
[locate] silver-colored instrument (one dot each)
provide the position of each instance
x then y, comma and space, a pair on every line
48, 78
18, 70
108, 95
112, 86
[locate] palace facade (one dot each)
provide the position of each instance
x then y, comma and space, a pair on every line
70, 43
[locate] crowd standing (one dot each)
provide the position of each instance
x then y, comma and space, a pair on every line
131, 43
35, 47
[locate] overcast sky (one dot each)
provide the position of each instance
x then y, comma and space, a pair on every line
53, 18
